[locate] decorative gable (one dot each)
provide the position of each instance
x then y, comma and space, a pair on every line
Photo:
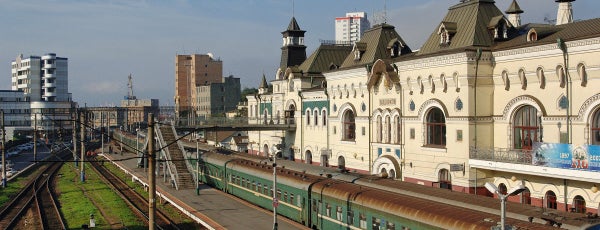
446, 32
499, 27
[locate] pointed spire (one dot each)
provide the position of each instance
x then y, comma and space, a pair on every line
514, 12
514, 8
293, 25
263, 83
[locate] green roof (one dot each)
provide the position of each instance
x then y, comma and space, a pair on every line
472, 19
375, 42
547, 34
324, 57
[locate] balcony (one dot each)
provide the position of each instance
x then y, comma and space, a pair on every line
49, 94
545, 161
49, 85
50, 66
47, 76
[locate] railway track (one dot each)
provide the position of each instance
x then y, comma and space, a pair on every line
135, 201
37, 197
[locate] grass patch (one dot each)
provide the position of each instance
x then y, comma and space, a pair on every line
182, 220
16, 185
79, 200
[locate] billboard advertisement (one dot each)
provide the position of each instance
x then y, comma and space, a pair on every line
566, 156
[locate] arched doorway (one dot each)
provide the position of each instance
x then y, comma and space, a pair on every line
444, 179
551, 200
392, 174
308, 157
383, 173
265, 152
526, 196
578, 204
341, 162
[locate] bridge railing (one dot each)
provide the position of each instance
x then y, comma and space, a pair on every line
235, 121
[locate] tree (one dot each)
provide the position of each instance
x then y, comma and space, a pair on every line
247, 91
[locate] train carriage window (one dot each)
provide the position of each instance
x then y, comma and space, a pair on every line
265, 189
278, 194
362, 220
259, 187
339, 213
285, 197
390, 226
292, 198
328, 209
314, 205
320, 205
376, 222
350, 217
243, 182
253, 185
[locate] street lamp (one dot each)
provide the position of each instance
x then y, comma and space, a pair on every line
513, 191
275, 150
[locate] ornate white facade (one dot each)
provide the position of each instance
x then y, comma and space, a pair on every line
505, 105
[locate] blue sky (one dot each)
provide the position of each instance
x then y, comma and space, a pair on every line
106, 40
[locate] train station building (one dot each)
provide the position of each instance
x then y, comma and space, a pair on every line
485, 99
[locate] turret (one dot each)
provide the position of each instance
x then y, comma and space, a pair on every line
565, 12
514, 14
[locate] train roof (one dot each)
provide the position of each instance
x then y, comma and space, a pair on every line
421, 210
481, 203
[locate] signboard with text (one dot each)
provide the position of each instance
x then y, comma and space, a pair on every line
566, 156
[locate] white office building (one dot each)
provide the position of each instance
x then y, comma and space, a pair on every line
42, 78
44, 83
351, 27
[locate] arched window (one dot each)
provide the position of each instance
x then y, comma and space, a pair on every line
388, 129
315, 112
560, 72
398, 129
349, 126
324, 112
392, 174
444, 179
265, 116
541, 77
379, 131
436, 128
595, 137
582, 74
578, 204
551, 200
526, 127
307, 117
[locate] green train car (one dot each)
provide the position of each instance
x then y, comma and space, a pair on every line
320, 202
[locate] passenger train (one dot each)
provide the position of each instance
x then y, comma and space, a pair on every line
331, 198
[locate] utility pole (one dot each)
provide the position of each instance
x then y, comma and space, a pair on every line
75, 121
275, 201
3, 149
151, 178
82, 131
102, 132
34, 137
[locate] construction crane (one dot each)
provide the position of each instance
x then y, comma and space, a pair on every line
130, 95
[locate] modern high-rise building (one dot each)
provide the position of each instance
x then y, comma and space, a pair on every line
192, 71
44, 78
351, 27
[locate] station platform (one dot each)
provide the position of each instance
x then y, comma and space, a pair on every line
211, 208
